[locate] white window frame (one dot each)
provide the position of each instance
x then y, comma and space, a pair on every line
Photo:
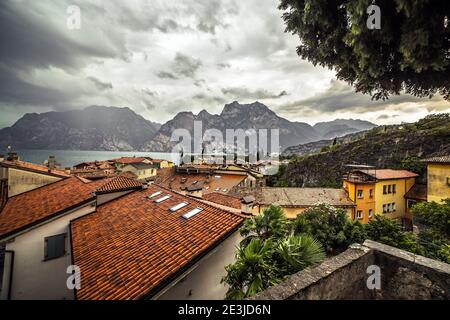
359, 214
360, 194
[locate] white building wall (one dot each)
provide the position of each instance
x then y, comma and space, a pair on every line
34, 278
203, 281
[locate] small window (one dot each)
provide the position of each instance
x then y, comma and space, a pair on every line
389, 188
360, 194
370, 213
394, 188
393, 206
359, 214
178, 206
54, 246
410, 203
192, 213
384, 208
389, 207
167, 196
384, 189
370, 193
154, 194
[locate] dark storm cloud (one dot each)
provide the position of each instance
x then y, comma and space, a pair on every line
186, 66
99, 84
149, 92
28, 42
385, 116
207, 99
224, 65
166, 75
245, 93
342, 97
14, 90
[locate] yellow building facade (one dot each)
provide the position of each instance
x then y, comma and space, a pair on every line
438, 179
379, 192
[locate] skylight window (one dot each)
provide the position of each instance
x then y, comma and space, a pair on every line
178, 206
167, 196
154, 194
192, 213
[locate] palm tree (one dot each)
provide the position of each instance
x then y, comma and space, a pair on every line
252, 272
297, 252
262, 264
271, 224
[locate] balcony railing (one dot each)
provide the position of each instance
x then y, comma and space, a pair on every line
358, 178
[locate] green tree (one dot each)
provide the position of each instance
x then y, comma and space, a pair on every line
330, 226
409, 52
433, 220
261, 264
295, 253
253, 270
389, 231
271, 224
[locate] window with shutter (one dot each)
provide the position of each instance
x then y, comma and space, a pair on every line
55, 246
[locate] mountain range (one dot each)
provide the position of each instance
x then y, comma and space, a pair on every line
121, 129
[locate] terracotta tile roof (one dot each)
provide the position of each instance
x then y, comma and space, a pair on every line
129, 174
223, 199
126, 160
169, 178
386, 174
439, 159
132, 245
120, 183
28, 166
303, 197
417, 192
142, 165
44, 202
96, 175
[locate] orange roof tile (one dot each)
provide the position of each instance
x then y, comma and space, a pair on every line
223, 199
129, 159
28, 166
169, 178
386, 174
120, 183
132, 246
37, 205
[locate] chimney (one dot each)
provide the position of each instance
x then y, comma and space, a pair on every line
51, 163
247, 203
13, 156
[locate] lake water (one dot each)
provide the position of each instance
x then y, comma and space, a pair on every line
69, 158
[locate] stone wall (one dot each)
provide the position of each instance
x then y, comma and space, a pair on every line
344, 277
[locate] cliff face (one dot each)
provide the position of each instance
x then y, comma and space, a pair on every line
93, 128
398, 146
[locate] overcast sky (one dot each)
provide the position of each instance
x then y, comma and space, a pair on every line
162, 57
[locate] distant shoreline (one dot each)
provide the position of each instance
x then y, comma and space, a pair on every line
69, 158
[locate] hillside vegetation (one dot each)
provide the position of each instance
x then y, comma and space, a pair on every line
395, 146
